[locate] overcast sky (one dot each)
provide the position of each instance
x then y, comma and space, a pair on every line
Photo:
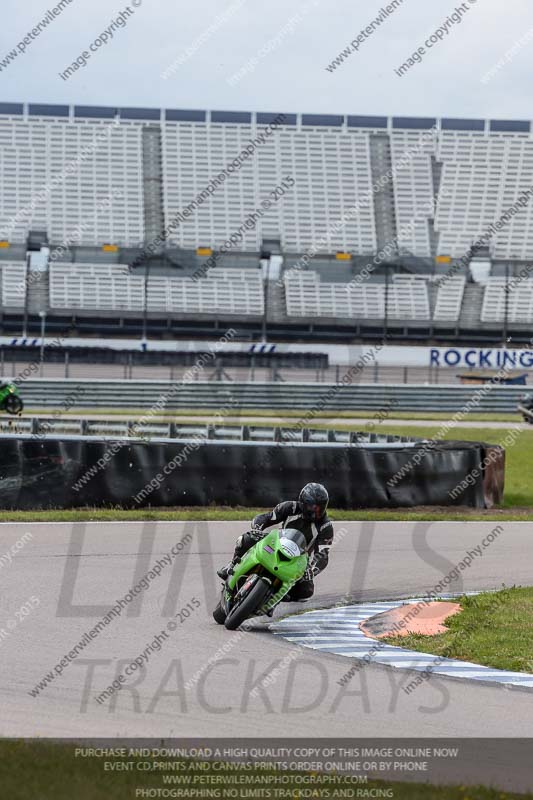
293, 41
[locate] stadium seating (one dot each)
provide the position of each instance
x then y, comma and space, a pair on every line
93, 287
76, 160
79, 181
307, 296
95, 176
482, 178
13, 276
469, 199
449, 300
408, 297
519, 302
413, 190
192, 154
331, 171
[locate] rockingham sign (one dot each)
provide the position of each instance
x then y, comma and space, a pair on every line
479, 358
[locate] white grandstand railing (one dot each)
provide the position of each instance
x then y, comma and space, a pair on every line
399, 277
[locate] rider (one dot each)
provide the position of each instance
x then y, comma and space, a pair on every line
308, 515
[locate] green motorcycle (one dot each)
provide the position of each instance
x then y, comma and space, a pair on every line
10, 400
262, 577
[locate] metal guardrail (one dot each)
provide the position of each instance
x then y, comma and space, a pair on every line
41, 427
106, 394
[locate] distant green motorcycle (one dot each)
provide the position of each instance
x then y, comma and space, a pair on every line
10, 399
262, 577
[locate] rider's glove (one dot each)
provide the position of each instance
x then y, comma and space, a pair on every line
320, 562
256, 534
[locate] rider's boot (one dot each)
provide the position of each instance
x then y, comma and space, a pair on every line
225, 572
241, 546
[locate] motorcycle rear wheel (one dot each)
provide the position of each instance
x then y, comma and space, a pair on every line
248, 605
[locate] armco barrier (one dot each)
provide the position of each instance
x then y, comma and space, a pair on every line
115, 427
67, 472
103, 394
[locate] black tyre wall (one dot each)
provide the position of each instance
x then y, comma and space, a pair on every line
64, 472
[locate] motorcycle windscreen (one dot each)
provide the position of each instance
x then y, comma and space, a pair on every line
296, 537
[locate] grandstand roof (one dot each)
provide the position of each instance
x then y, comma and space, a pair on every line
263, 118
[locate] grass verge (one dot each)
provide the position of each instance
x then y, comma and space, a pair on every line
221, 514
494, 629
49, 771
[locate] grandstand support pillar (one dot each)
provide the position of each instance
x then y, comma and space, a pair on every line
2, 361
386, 320
42, 315
265, 302
381, 168
67, 364
506, 307
26, 275
154, 217
145, 301
152, 176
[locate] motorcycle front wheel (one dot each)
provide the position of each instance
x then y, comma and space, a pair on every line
219, 615
249, 604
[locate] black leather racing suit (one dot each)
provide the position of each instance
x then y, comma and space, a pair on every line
318, 534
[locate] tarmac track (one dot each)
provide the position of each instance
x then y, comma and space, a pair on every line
375, 423
67, 565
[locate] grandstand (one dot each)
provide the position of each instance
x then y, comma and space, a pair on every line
380, 210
